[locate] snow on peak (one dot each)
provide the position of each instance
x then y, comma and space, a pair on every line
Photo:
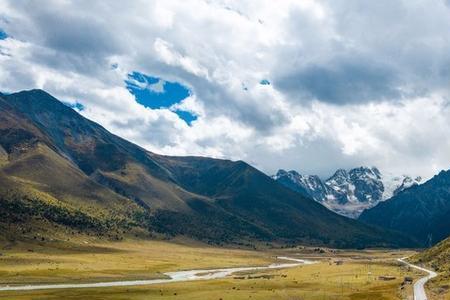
394, 184
348, 192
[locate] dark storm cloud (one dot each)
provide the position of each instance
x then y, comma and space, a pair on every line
343, 80
66, 38
367, 52
76, 34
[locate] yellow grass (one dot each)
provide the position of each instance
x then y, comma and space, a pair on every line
356, 278
114, 261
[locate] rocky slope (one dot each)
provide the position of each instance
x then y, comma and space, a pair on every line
347, 192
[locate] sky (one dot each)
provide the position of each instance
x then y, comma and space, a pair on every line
307, 85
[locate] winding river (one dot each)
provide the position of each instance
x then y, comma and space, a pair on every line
178, 276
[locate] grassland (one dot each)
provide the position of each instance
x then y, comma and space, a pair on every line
89, 260
356, 276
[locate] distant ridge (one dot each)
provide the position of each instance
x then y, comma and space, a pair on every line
421, 211
348, 192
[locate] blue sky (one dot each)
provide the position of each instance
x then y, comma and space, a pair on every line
311, 85
156, 93
76, 105
3, 34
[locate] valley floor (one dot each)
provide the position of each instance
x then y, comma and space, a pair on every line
337, 275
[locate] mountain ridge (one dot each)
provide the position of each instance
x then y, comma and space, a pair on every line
347, 192
421, 211
72, 166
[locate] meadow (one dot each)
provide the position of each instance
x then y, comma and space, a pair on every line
337, 275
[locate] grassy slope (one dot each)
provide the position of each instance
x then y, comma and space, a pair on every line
49, 172
246, 192
438, 258
39, 185
79, 164
41, 188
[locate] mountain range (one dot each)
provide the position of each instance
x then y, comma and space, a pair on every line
62, 173
421, 211
347, 192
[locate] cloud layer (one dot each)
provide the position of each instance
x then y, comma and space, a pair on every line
345, 83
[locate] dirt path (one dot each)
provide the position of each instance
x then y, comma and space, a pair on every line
419, 286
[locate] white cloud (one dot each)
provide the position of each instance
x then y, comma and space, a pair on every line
167, 54
190, 104
351, 83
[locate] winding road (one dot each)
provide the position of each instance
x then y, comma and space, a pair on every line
173, 277
419, 286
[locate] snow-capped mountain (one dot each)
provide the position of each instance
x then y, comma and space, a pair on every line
348, 192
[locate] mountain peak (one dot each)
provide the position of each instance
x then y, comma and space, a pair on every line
347, 192
282, 172
421, 210
340, 172
108, 180
36, 100
366, 169
365, 172
33, 94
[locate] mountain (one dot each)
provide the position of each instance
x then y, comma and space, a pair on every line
347, 192
421, 211
60, 172
438, 258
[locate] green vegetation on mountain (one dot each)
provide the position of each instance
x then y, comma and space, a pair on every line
421, 211
438, 258
59, 169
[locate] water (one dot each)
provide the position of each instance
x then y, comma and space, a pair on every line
190, 275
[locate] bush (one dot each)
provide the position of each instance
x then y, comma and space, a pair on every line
16, 208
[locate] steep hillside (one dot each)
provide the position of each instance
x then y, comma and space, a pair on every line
438, 258
246, 192
58, 167
420, 211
